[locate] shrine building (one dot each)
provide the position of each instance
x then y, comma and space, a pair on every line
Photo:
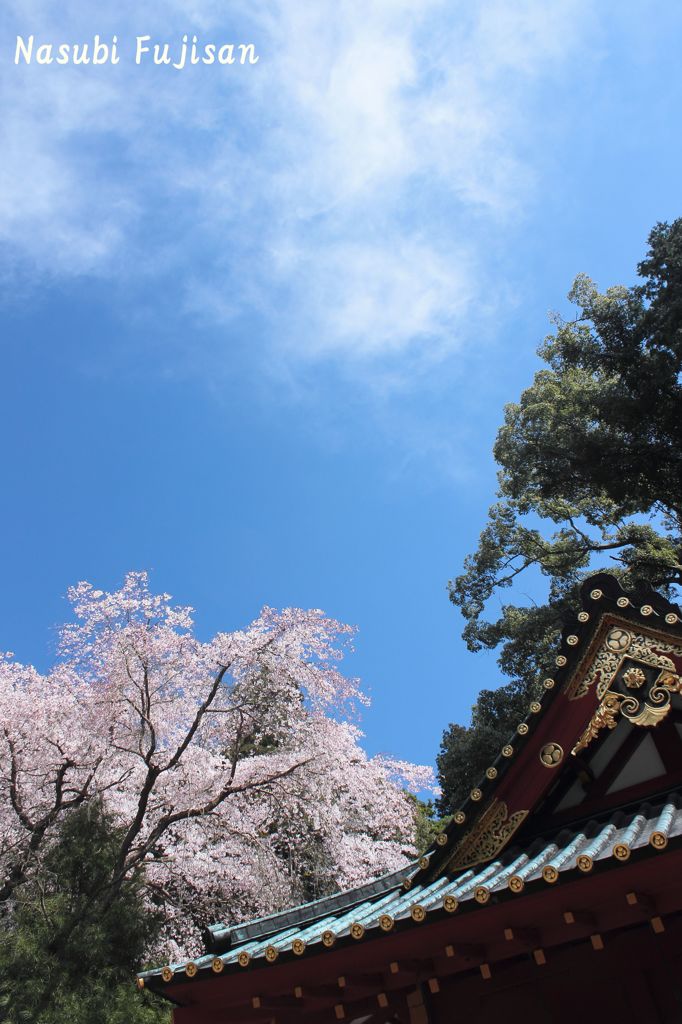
554, 895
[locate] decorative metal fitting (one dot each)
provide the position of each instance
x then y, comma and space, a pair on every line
450, 903
482, 895
417, 913
549, 684
460, 817
441, 839
491, 773
522, 728
535, 707
244, 959
476, 794
583, 616
621, 851
386, 922
271, 954
596, 594
298, 947
646, 609
516, 884
572, 640
357, 930
407, 883
560, 660
217, 965
623, 602
658, 840
507, 750
671, 618
550, 873
328, 939
167, 974
140, 983
191, 969
585, 862
423, 863
551, 755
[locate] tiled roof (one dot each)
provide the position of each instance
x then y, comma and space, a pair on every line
376, 906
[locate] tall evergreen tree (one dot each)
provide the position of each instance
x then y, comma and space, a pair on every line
71, 944
590, 478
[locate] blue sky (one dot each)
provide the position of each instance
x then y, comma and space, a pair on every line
259, 322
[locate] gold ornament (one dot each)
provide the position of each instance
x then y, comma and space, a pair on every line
551, 755
271, 954
217, 965
583, 616
328, 939
357, 930
476, 794
634, 678
549, 684
522, 729
572, 640
441, 839
560, 660
507, 750
460, 817
298, 947
658, 840
167, 974
646, 609
191, 970
585, 863
386, 922
550, 873
596, 594
140, 983
516, 884
450, 904
671, 618
423, 863
417, 913
492, 832
621, 851
535, 707
491, 773
482, 895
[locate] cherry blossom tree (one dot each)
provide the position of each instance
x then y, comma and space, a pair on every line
232, 766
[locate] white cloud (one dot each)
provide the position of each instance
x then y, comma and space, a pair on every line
339, 187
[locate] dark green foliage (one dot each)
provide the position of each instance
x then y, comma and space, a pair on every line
590, 478
427, 824
71, 947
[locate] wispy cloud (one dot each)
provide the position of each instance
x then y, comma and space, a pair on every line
342, 188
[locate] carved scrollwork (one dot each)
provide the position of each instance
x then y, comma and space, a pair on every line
642, 712
491, 833
618, 645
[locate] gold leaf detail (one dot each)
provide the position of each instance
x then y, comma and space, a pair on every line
423, 863
623, 602
585, 862
561, 660
634, 678
596, 594
658, 840
646, 609
535, 707
671, 618
605, 717
516, 884
551, 755
491, 833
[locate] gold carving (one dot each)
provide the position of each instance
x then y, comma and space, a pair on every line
605, 717
645, 649
271, 954
386, 922
191, 969
450, 904
516, 884
217, 965
491, 833
634, 678
551, 755
417, 913
244, 959
357, 930
550, 873
658, 840
328, 939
